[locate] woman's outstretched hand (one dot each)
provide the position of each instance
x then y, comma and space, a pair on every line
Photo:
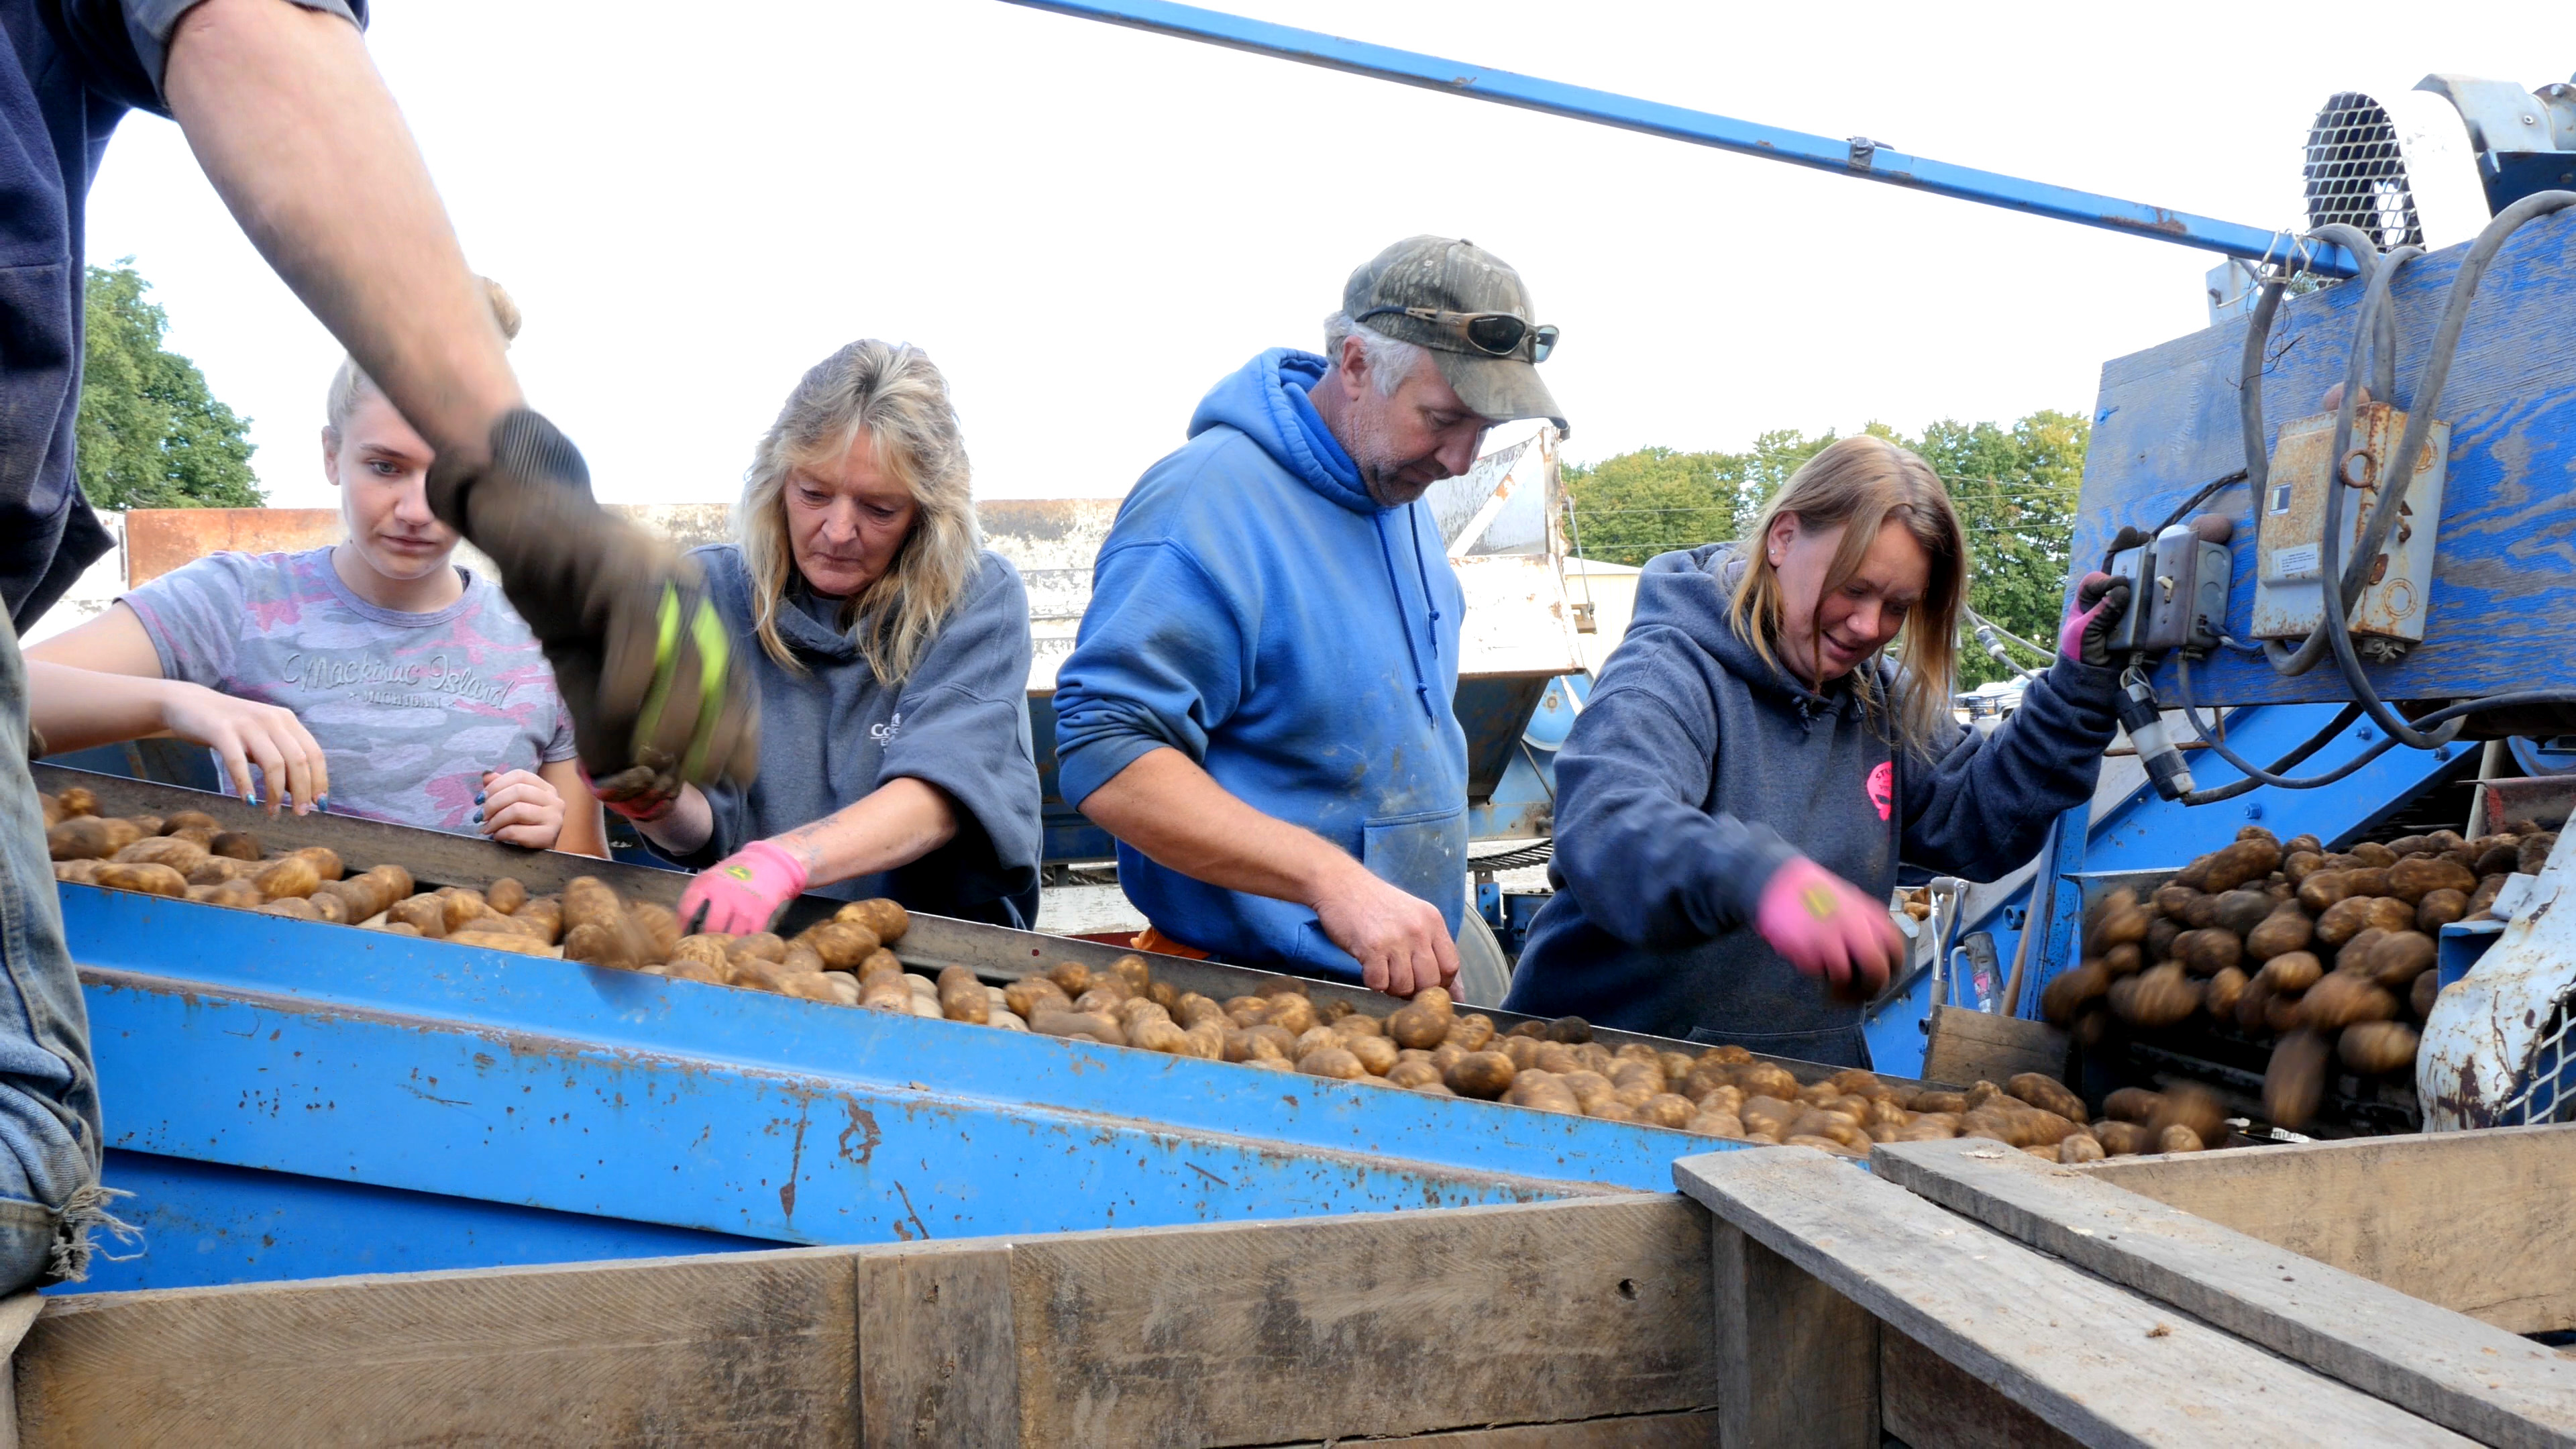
1825, 927
518, 807
244, 733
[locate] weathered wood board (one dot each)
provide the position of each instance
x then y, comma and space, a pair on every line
2452, 1369
2092, 1360
2166, 424
748, 1348
1964, 1047
2472, 1221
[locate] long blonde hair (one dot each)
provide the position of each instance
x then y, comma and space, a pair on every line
893, 393
1862, 484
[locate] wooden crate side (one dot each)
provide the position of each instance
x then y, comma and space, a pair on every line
1797, 1362
1628, 1431
2461, 1219
1966, 1046
2448, 1367
1928, 1402
938, 1364
1379, 1325
746, 1348
2091, 1359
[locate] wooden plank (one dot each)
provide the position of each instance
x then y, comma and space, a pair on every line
937, 1362
1382, 1324
1797, 1363
2446, 1366
743, 1348
1972, 1046
17, 1314
2453, 1218
2091, 1359
1635, 1431
1928, 1402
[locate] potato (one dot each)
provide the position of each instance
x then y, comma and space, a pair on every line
84, 872
2534, 852
2131, 1104
2355, 955
2440, 908
1473, 1031
2179, 1139
2190, 1105
2202, 913
2286, 929
424, 913
1207, 1038
1420, 1024
2220, 994
764, 944
885, 919
1248, 1042
2366, 881
144, 876
2157, 997
238, 845
2161, 934
2048, 1094
1105, 997
2400, 957
2246, 860
2241, 910
2419, 1000
812, 986
962, 998
590, 901
1715, 1124
888, 993
293, 875
237, 894
2298, 865
2196, 875
1073, 976
498, 941
2378, 1046
2372, 853
1485, 1075
2295, 1081
2069, 990
180, 855
2410, 880
2080, 1147
843, 944
295, 906
2206, 953
462, 906
692, 969
2324, 889
2124, 960
1294, 1014
87, 837
2122, 1139
543, 914
2114, 920
1031, 994
1359, 1023
328, 906
1572, 1029
1331, 1061
2391, 915
1192, 1008
2344, 919
1159, 1034
2292, 971
1412, 1073
2172, 901
1542, 1092
661, 927
2341, 998
371, 892
1376, 1053
600, 945
1078, 1025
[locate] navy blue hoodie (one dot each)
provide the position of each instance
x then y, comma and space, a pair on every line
1256, 610
1696, 770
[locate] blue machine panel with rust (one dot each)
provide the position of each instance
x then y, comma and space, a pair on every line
2166, 425
289, 1099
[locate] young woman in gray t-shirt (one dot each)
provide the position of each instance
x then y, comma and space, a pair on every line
373, 677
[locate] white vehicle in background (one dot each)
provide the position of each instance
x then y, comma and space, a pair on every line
1988, 705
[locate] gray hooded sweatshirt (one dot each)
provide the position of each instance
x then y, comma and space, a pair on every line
830, 736
1697, 770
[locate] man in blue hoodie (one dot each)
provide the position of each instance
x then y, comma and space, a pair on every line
1258, 705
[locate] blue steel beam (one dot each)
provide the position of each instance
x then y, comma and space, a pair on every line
470, 1081
1854, 157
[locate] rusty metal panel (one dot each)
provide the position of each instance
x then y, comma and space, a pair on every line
2288, 596
158, 540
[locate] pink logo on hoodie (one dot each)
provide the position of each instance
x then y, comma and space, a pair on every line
1882, 787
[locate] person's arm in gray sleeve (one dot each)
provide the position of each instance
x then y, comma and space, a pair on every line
1632, 843
1980, 809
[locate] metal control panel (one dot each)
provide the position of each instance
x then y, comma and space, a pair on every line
2390, 615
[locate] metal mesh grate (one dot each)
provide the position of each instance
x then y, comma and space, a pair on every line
2549, 1095
2355, 174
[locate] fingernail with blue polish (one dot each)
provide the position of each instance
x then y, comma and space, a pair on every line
478, 797
478, 817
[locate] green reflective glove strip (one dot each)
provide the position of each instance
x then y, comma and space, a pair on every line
714, 650
666, 642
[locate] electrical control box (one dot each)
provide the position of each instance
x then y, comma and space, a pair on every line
2184, 600
2130, 563
2289, 564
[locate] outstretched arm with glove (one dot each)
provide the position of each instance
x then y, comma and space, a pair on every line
297, 132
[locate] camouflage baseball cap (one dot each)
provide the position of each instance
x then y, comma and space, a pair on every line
1455, 298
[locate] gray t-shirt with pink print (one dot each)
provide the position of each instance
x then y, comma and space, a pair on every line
410, 709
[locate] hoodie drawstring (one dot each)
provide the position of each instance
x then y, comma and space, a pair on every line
1386, 552
1422, 571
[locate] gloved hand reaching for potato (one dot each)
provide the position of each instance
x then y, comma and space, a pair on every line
658, 696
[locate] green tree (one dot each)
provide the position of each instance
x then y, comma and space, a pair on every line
150, 433
2014, 486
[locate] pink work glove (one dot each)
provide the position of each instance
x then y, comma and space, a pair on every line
743, 892
1824, 927
2099, 602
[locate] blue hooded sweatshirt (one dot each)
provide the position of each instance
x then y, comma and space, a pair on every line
1256, 610
1697, 770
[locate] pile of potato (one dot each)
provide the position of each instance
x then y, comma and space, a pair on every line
2327, 955
1427, 1045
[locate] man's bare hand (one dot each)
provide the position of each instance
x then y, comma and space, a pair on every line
1399, 939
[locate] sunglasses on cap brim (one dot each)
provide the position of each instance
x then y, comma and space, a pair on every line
1496, 334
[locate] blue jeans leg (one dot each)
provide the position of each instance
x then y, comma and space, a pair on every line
49, 1116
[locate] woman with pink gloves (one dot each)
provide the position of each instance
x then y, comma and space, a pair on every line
1733, 802
893, 662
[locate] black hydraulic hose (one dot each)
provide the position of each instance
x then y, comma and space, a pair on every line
2256, 775
2249, 402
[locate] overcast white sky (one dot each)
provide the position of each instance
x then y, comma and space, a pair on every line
1086, 226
